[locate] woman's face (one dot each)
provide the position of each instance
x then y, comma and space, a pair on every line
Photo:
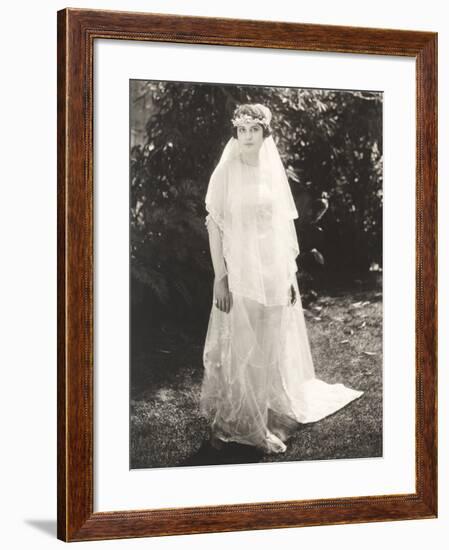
250, 137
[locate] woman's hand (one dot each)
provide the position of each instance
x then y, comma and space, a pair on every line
223, 296
292, 295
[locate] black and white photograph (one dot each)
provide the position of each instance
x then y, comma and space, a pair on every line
256, 322
222, 233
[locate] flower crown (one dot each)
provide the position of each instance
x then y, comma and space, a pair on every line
263, 119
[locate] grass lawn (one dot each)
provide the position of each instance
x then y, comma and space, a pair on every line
345, 334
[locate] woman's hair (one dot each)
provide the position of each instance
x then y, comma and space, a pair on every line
252, 112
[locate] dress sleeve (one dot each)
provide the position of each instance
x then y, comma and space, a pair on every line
216, 248
215, 219
215, 197
292, 270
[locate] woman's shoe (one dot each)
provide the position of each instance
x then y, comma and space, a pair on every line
273, 445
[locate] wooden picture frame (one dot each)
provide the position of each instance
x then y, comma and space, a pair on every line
77, 31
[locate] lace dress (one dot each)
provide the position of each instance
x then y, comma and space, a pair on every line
259, 380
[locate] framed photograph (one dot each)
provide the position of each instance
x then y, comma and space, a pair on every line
246, 275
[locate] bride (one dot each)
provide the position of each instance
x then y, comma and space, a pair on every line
259, 380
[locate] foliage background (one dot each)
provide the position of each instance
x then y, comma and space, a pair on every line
331, 145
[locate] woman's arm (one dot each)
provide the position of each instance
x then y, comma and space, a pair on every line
292, 280
216, 248
221, 290
292, 295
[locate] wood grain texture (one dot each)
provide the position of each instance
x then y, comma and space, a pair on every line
77, 30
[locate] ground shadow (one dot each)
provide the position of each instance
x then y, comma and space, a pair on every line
230, 453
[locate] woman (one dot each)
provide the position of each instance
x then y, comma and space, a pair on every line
259, 379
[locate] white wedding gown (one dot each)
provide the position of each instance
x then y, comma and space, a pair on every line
259, 379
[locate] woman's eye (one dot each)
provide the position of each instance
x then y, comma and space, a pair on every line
253, 130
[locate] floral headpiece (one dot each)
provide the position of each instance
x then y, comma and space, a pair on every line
263, 119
